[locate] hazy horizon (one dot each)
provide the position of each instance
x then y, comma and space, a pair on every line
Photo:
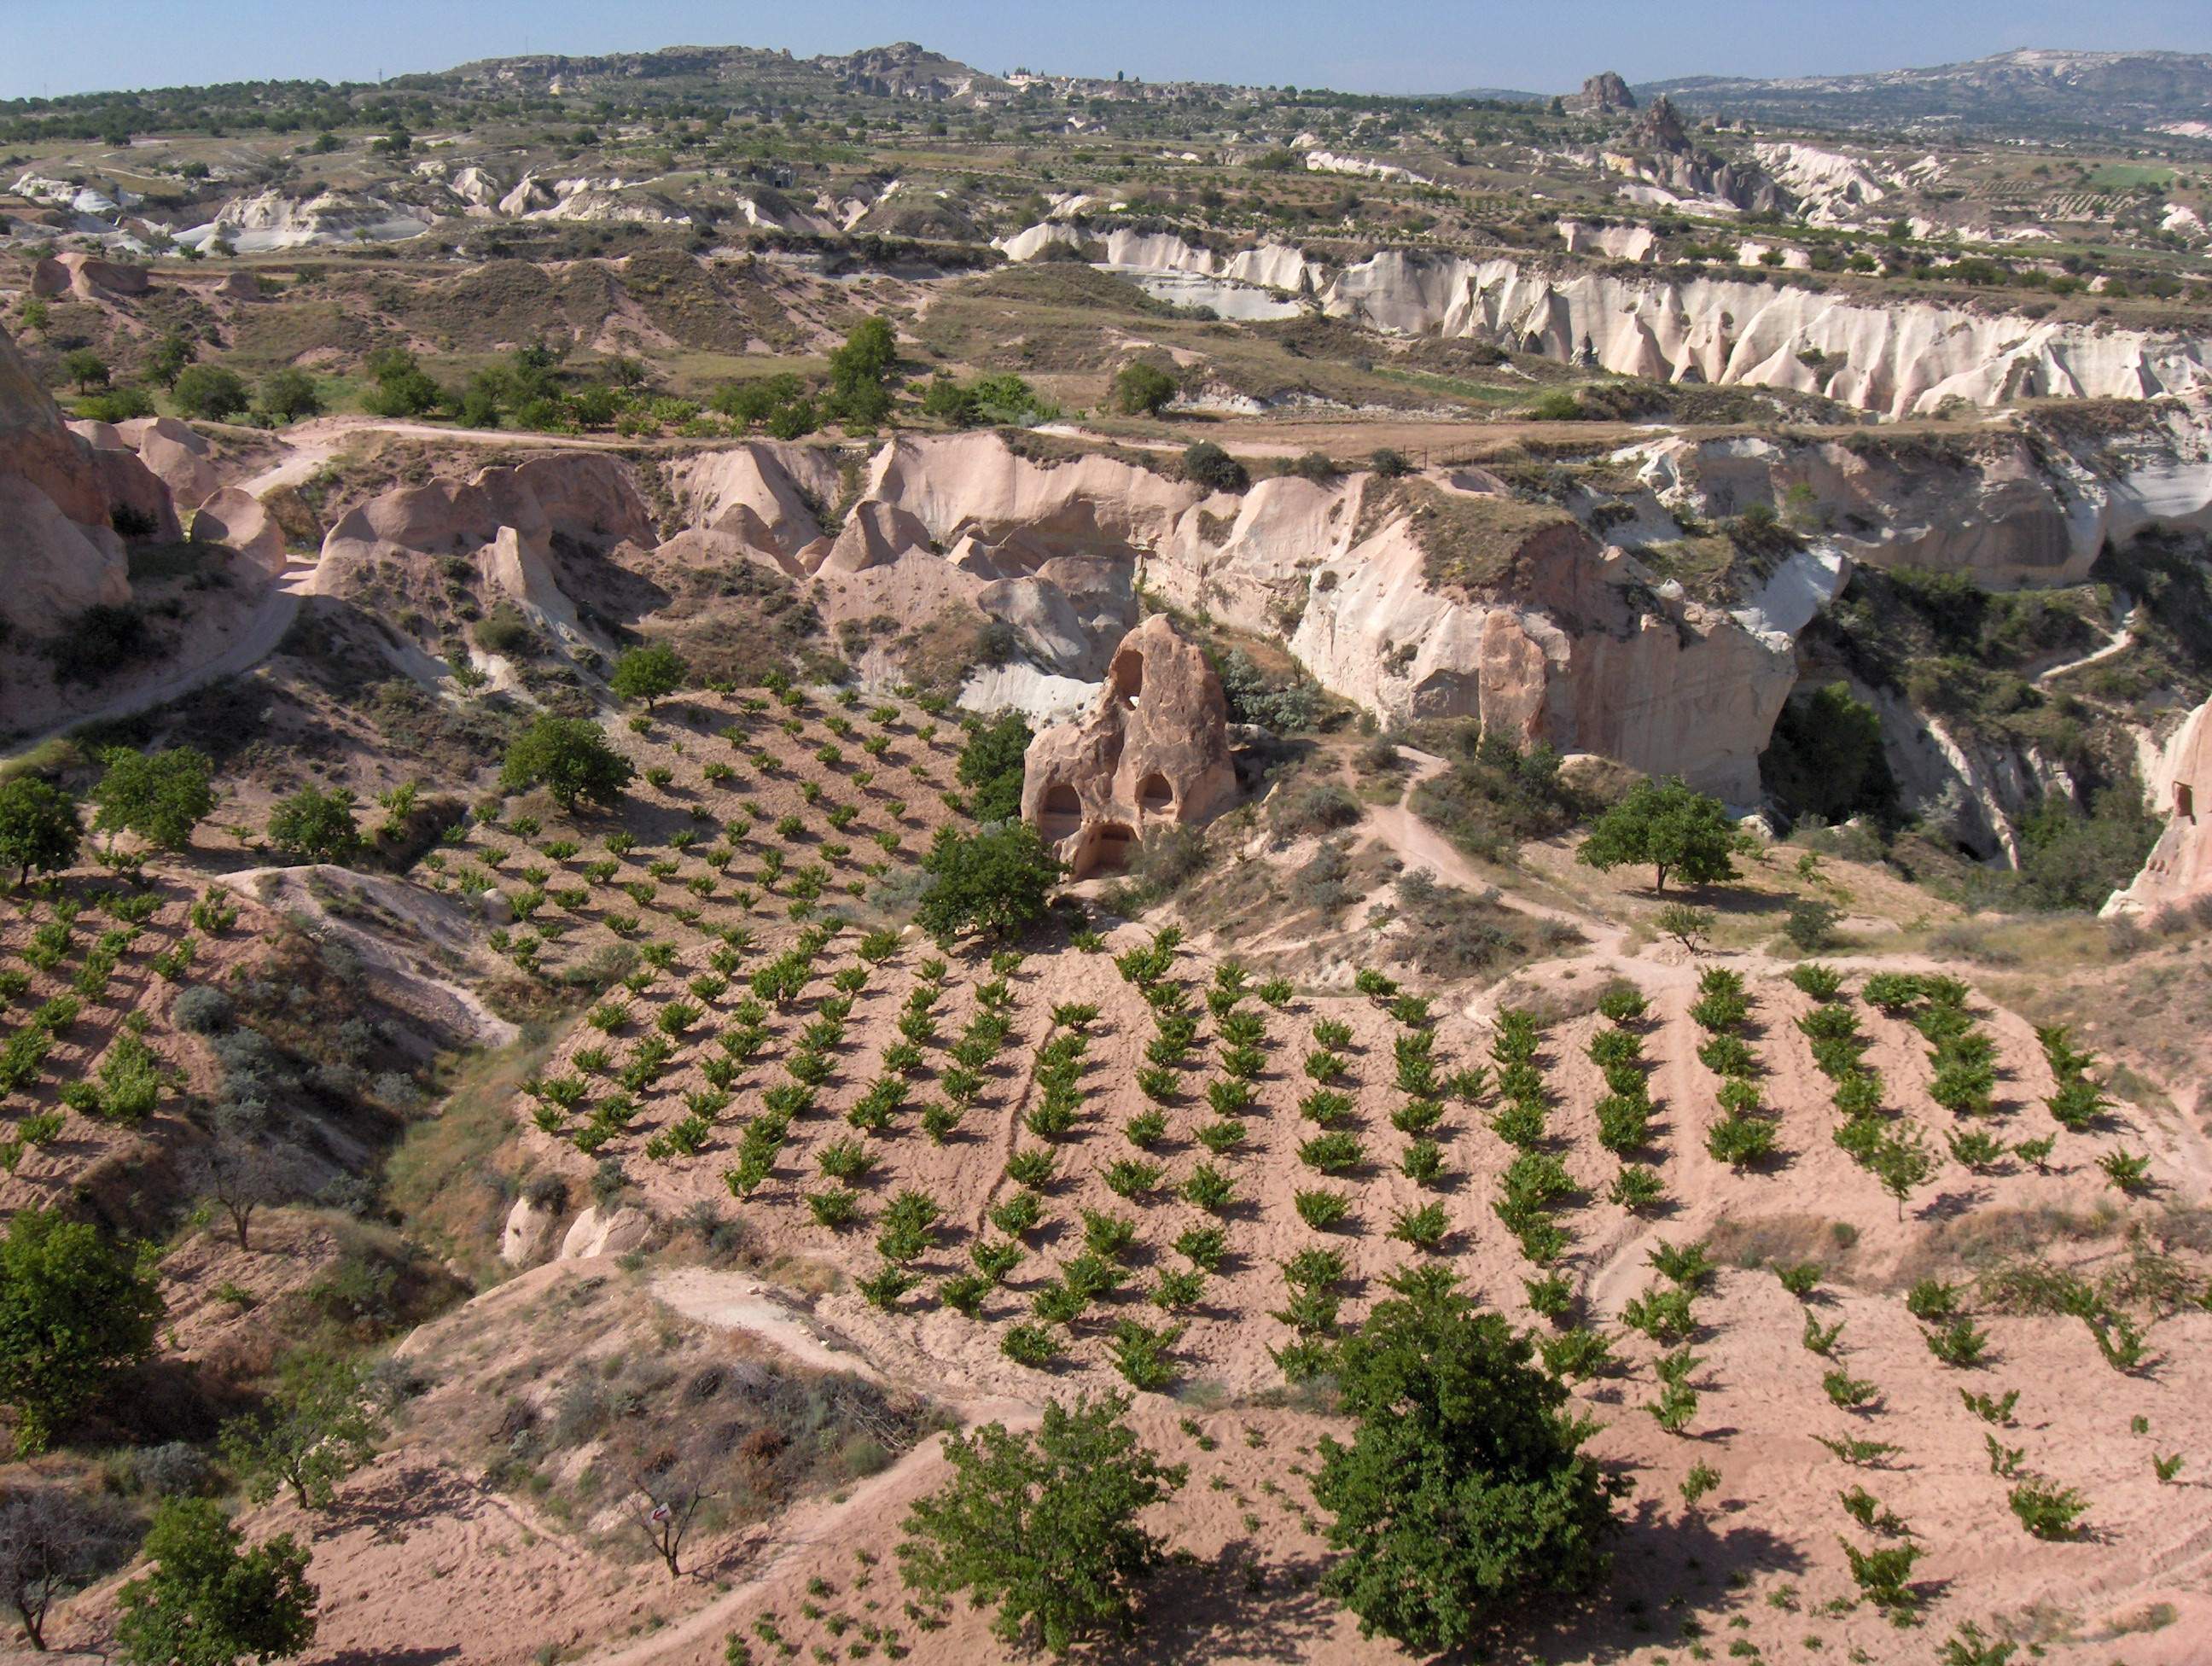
1378, 49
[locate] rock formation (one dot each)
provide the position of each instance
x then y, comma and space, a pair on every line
174, 452
605, 1232
584, 496
1900, 360
1560, 654
1560, 643
59, 551
1602, 94
235, 518
86, 277
1661, 127
530, 1234
2180, 866
2011, 507
1153, 750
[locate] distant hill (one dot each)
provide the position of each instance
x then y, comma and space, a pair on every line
1498, 95
2020, 91
902, 69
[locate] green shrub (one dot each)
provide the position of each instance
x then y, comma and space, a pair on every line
1442, 1395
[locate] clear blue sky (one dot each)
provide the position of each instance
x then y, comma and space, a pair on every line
50, 46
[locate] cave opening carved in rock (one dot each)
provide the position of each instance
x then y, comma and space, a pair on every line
1111, 852
1128, 676
1062, 813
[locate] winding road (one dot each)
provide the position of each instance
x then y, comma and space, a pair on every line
308, 446
264, 628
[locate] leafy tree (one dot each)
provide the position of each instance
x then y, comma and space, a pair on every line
991, 767
793, 421
571, 758
208, 1600
1142, 390
2068, 860
290, 393
1811, 923
860, 370
403, 388
76, 1307
1207, 464
159, 796
755, 401
953, 402
996, 879
315, 826
1673, 829
1044, 1526
1464, 1491
169, 357
86, 369
1825, 758
320, 1426
869, 355
649, 674
209, 390
117, 404
52, 1540
39, 828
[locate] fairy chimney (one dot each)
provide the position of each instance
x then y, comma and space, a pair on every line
1152, 751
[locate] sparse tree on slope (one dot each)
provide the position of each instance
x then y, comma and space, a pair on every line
39, 829
315, 826
208, 1600
1666, 824
1044, 1526
159, 796
997, 879
649, 674
76, 1307
570, 759
1464, 1491
320, 1426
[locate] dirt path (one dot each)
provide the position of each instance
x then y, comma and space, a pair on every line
2115, 646
413, 969
798, 1531
300, 463
737, 1301
324, 435
1418, 845
279, 606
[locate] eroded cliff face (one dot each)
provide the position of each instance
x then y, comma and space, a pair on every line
1577, 651
1583, 653
59, 553
1430, 597
1898, 360
2179, 867
2028, 504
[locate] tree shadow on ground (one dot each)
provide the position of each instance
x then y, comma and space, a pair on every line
1273, 1610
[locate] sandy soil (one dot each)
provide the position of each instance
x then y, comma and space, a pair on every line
227, 637
742, 831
